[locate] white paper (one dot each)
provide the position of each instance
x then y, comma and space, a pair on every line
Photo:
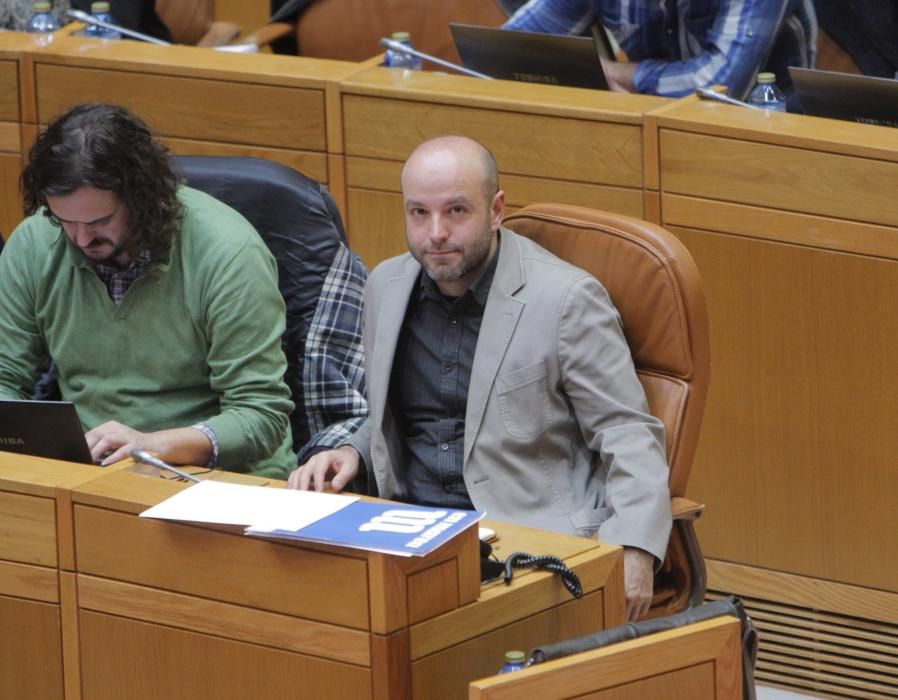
236, 504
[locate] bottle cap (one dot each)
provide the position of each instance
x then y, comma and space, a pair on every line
401, 36
766, 77
514, 657
40, 7
99, 7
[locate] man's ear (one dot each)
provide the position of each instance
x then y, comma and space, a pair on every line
497, 210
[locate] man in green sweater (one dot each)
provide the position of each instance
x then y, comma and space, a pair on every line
158, 304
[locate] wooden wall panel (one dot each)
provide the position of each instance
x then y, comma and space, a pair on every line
180, 665
376, 225
28, 533
217, 110
10, 200
524, 144
796, 458
30, 650
222, 567
9, 91
779, 177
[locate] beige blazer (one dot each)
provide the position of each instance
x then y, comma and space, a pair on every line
557, 430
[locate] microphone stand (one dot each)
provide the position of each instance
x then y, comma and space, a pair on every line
402, 48
88, 19
147, 458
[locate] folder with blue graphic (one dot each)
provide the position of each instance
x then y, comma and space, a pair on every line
390, 528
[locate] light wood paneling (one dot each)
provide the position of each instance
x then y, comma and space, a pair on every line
193, 108
25, 581
10, 200
10, 137
779, 177
28, 532
785, 227
433, 591
560, 148
376, 225
446, 674
223, 620
180, 665
9, 90
248, 14
308, 163
798, 442
30, 654
213, 564
702, 660
804, 592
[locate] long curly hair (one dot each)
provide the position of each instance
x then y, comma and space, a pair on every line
107, 147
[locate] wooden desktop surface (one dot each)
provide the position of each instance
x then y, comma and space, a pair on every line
231, 616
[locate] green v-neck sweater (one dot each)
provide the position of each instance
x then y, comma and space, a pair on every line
197, 338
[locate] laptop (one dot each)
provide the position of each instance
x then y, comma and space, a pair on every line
857, 98
550, 59
43, 429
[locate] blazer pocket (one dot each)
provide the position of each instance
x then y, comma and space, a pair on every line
524, 401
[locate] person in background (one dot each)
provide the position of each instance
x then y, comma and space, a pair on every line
673, 47
158, 304
499, 378
866, 29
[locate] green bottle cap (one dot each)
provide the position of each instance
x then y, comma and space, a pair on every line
766, 77
514, 657
401, 36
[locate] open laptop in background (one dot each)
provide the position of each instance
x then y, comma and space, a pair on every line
43, 429
550, 59
856, 98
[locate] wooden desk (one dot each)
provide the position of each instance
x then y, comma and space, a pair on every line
793, 224
35, 543
204, 102
156, 609
552, 144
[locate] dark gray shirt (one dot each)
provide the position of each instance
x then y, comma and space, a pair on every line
429, 388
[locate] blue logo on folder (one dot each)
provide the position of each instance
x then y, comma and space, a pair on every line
392, 528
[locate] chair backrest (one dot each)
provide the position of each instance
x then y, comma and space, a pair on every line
301, 225
351, 29
655, 285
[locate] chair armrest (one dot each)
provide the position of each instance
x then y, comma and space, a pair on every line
684, 509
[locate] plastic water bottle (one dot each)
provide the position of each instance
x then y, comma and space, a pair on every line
42, 23
514, 661
100, 11
397, 59
767, 95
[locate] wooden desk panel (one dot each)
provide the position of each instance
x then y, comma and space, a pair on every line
798, 443
192, 108
9, 90
30, 650
524, 144
779, 177
10, 200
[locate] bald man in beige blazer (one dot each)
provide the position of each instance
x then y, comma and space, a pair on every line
556, 429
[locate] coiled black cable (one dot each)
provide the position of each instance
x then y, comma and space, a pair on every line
522, 560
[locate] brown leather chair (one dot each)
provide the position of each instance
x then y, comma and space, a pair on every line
656, 287
193, 22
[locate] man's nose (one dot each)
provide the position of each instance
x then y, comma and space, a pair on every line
82, 235
438, 231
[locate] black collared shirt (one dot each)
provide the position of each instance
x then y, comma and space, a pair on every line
429, 390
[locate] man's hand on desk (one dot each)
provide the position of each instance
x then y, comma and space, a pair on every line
112, 441
639, 577
342, 463
619, 75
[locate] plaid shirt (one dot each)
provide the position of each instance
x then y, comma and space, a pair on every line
684, 44
334, 395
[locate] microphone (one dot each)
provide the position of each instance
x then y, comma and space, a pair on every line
707, 94
147, 458
402, 48
84, 17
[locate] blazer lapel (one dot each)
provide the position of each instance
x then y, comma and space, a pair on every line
500, 318
393, 304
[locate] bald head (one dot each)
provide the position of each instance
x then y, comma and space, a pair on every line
460, 152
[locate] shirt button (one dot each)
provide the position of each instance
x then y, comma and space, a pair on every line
453, 321
444, 447
750, 33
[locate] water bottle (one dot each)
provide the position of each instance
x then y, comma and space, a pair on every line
100, 11
397, 59
42, 23
767, 95
514, 661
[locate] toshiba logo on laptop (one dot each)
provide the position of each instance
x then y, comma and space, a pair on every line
12, 441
